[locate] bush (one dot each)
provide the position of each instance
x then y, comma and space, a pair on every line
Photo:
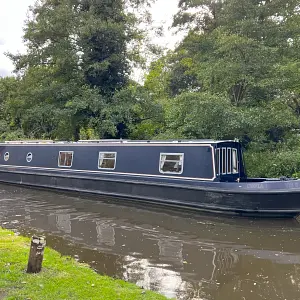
276, 163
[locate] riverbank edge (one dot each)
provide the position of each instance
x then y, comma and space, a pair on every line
62, 277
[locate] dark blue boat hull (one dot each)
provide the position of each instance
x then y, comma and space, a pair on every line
260, 199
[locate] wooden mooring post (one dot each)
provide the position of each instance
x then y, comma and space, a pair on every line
36, 254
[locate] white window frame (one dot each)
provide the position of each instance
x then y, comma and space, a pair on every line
65, 161
29, 153
107, 152
174, 173
229, 163
6, 154
224, 160
234, 150
218, 159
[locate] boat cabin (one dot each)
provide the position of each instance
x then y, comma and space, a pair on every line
193, 160
229, 161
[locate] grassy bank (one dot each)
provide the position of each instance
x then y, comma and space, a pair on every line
61, 277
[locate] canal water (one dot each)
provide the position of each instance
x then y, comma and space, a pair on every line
182, 255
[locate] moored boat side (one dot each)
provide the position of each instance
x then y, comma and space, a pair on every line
202, 175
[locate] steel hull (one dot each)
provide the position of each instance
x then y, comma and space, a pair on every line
231, 198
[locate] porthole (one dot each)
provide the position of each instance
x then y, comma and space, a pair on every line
6, 156
29, 157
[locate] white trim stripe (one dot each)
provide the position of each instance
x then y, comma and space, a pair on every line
103, 172
213, 157
119, 173
108, 145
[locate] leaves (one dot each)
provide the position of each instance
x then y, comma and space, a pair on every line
234, 75
77, 61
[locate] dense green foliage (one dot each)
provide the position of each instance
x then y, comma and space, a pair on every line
61, 277
234, 75
74, 81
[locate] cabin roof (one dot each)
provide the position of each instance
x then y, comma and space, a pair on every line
117, 141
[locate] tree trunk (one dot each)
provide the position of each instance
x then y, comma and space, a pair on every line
77, 133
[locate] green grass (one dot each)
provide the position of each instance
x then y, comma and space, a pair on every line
61, 277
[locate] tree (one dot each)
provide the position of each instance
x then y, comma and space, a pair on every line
244, 43
77, 60
9, 127
234, 76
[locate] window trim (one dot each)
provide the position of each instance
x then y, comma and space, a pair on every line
229, 160
235, 150
224, 161
29, 153
71, 160
6, 154
107, 152
218, 161
173, 173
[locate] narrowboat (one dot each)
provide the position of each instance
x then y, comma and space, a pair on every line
206, 175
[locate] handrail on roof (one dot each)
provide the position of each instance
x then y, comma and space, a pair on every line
30, 142
102, 141
116, 141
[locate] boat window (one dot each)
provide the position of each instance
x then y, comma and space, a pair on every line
235, 168
29, 157
6, 156
229, 160
107, 160
218, 161
171, 163
65, 159
223, 160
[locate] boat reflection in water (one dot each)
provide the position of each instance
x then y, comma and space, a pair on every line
177, 254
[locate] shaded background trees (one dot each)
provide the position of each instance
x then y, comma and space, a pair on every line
234, 75
77, 62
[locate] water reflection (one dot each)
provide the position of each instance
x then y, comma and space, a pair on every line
105, 233
63, 222
181, 255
